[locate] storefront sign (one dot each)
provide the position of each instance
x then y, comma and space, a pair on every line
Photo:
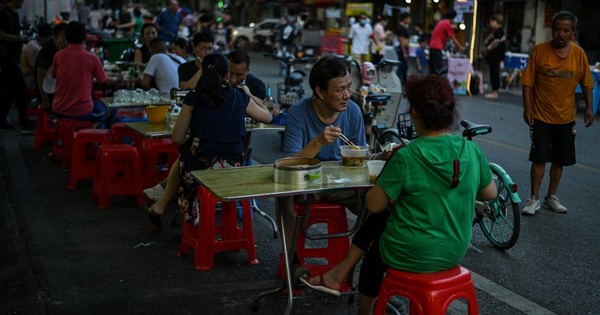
355, 9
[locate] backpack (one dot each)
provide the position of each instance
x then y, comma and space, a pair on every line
288, 34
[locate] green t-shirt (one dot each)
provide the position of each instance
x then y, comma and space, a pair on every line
430, 226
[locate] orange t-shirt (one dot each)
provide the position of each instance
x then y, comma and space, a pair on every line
554, 81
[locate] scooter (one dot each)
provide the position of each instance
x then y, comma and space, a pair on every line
378, 91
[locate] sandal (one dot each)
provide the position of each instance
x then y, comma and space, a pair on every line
321, 286
154, 193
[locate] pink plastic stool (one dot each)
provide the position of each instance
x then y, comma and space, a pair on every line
429, 293
117, 173
63, 138
158, 155
203, 240
83, 155
43, 131
335, 217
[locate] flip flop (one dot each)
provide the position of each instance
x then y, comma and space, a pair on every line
321, 286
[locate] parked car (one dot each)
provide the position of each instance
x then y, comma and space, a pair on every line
256, 35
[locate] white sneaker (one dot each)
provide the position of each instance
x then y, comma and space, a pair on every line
154, 193
553, 204
533, 205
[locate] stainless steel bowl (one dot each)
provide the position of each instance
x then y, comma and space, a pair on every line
297, 171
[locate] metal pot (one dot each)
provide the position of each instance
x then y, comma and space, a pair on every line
297, 171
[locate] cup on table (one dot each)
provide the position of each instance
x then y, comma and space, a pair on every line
375, 168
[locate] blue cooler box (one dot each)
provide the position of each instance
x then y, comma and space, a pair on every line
515, 60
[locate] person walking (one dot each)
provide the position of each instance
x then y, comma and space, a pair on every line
168, 21
12, 82
402, 48
378, 45
493, 50
442, 31
360, 37
553, 71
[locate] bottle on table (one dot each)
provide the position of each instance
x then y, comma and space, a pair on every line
269, 102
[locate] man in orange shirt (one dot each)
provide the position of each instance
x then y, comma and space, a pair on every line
553, 71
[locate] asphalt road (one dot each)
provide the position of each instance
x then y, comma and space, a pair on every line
62, 255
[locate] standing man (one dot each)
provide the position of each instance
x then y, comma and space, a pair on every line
12, 82
360, 37
168, 21
553, 71
402, 49
441, 33
378, 47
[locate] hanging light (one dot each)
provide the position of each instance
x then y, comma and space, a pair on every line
462, 26
436, 1
408, 1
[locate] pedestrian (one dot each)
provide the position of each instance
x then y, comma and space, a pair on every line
493, 50
378, 44
75, 70
402, 48
442, 31
168, 21
429, 185
553, 71
360, 37
12, 82
422, 56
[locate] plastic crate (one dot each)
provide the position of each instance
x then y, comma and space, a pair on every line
515, 60
406, 129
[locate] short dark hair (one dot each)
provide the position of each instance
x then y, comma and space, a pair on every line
59, 29
44, 29
433, 99
75, 32
239, 56
565, 15
404, 16
325, 69
203, 37
450, 14
157, 44
181, 43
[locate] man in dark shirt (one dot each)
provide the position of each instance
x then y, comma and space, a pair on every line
190, 72
44, 61
12, 82
239, 65
402, 49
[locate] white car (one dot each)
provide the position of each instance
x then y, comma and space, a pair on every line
255, 35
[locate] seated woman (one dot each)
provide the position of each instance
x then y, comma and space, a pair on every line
422, 202
149, 32
213, 114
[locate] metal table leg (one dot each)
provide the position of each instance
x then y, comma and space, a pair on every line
256, 209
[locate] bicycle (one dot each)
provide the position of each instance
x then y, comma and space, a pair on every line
499, 219
290, 90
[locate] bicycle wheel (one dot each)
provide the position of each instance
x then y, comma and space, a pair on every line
499, 219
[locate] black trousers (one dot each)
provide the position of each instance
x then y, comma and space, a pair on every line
435, 62
14, 89
494, 68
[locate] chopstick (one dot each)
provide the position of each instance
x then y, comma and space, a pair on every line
347, 141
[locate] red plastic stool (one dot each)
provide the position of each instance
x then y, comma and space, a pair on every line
63, 138
335, 217
120, 133
158, 155
202, 239
83, 154
117, 173
428, 293
43, 131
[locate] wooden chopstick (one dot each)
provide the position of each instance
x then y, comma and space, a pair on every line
347, 141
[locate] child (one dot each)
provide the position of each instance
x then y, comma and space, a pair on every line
422, 56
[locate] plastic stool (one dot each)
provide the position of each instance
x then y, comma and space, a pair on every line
335, 217
83, 154
117, 173
158, 155
120, 133
63, 138
43, 131
428, 293
202, 239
